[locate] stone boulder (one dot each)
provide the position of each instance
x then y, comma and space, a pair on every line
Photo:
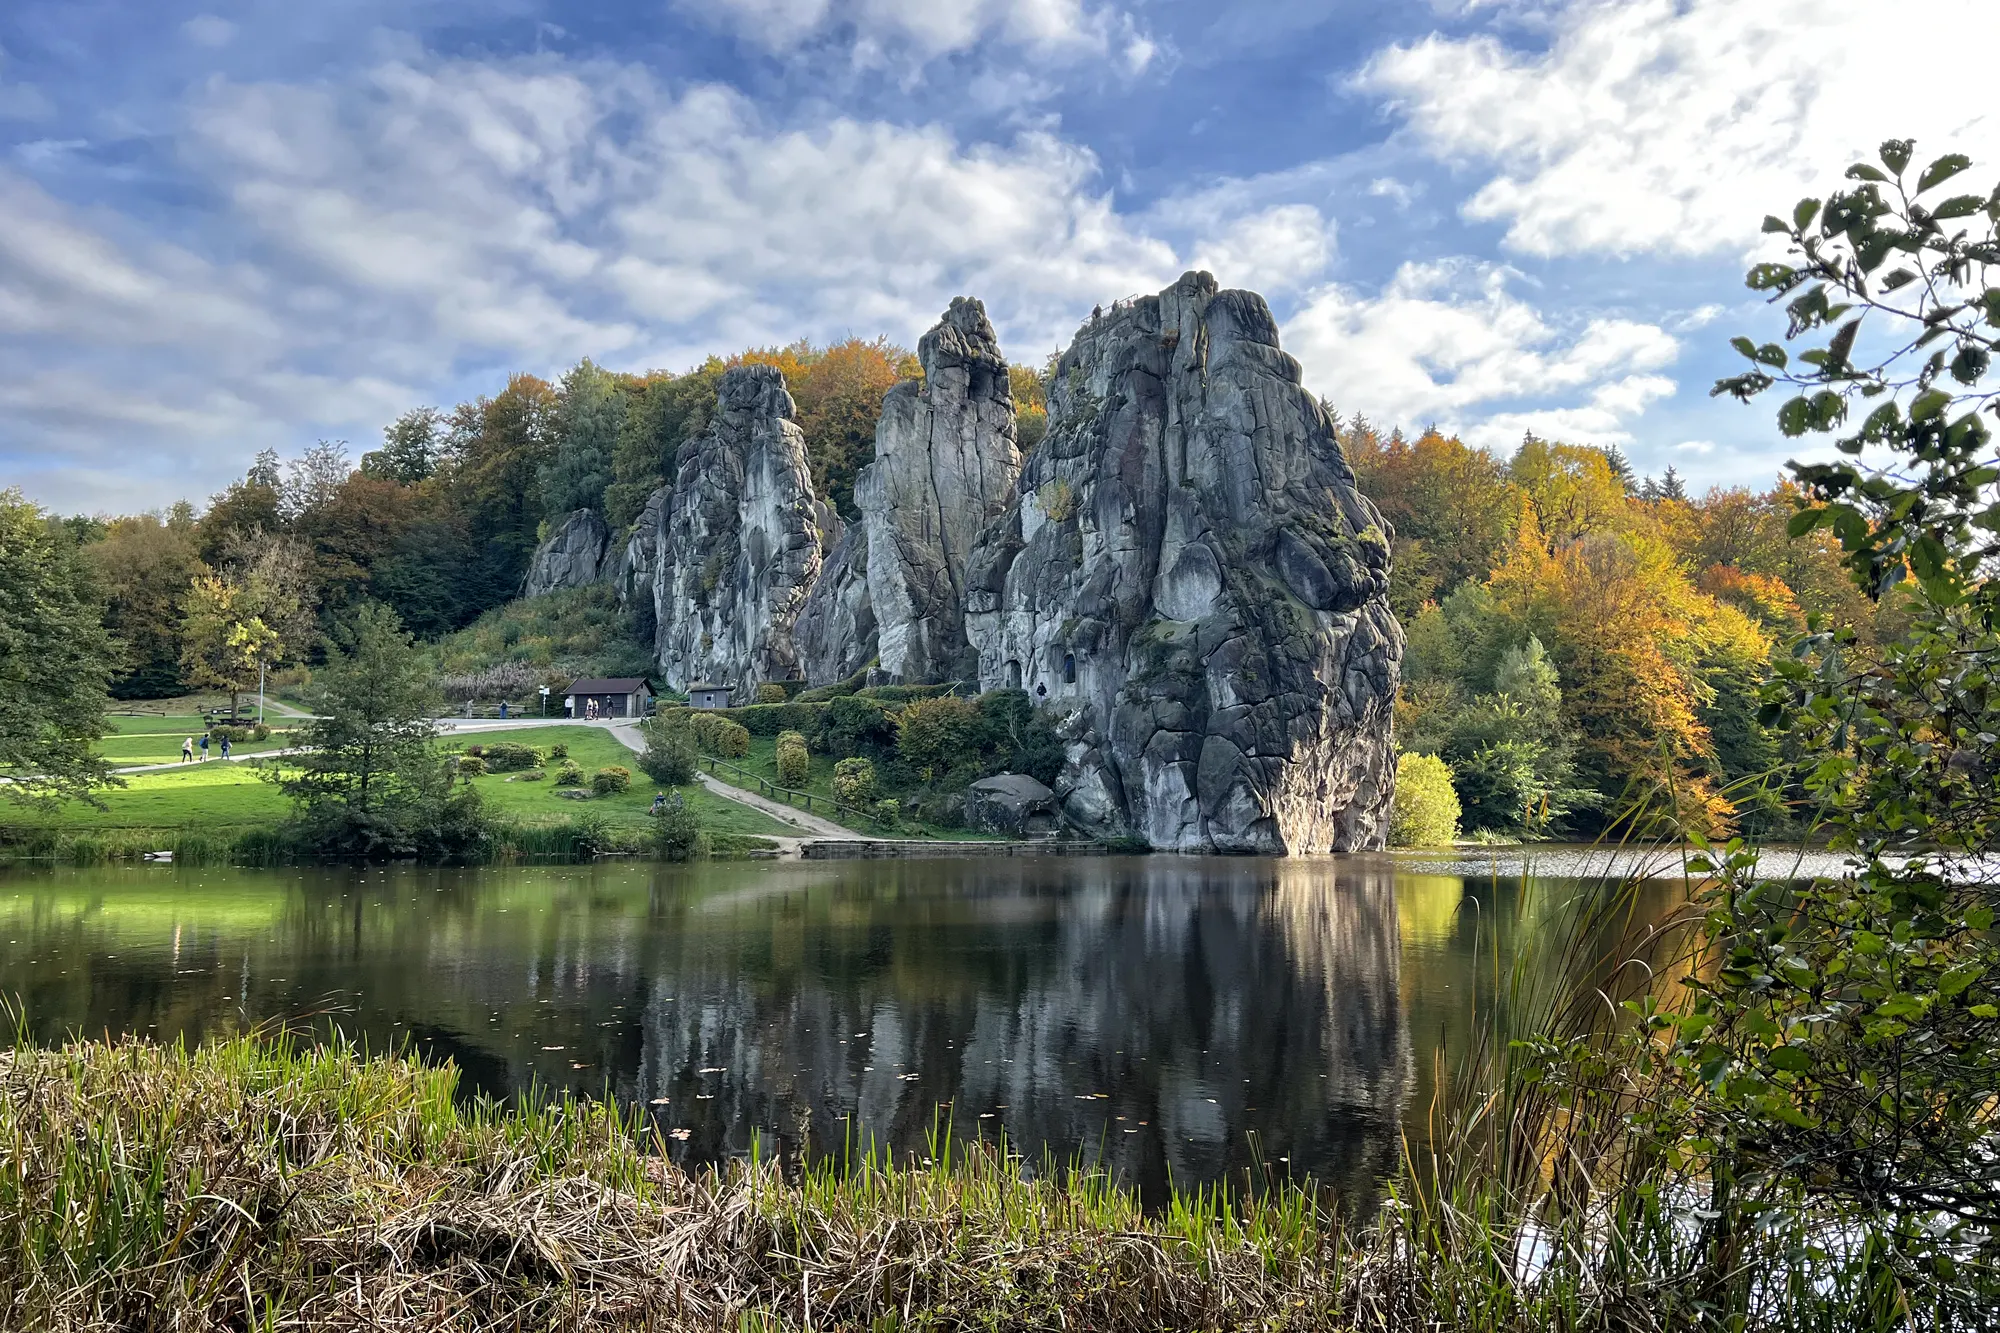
576, 554
1011, 803
738, 541
1187, 573
945, 462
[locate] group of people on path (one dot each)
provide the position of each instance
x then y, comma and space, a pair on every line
188, 744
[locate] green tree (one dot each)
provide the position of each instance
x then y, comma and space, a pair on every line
666, 411
589, 417
1426, 806
1847, 1042
370, 781
55, 659
410, 448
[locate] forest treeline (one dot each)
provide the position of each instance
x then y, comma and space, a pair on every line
439, 523
1577, 636
1583, 641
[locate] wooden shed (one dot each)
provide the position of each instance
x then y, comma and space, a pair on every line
613, 696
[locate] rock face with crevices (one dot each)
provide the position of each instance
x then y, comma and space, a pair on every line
576, 554
945, 462
1187, 573
736, 542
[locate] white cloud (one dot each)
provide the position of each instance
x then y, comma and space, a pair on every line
413, 236
1275, 249
1451, 343
1675, 125
209, 31
883, 30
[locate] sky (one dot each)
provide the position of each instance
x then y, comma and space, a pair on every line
232, 226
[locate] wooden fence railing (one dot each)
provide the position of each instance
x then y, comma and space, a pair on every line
805, 799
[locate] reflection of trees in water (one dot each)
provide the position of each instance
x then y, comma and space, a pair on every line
1203, 999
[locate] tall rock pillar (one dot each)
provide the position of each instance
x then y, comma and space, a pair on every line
1188, 575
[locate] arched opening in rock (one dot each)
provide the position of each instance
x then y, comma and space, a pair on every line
1013, 674
1069, 668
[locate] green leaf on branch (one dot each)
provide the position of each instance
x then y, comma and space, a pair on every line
1942, 170
1926, 406
1842, 345
1791, 1059
1803, 213
1901, 277
1959, 206
1895, 154
1861, 171
1970, 363
1795, 417
1804, 521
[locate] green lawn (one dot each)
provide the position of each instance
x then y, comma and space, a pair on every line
763, 761
157, 739
592, 748
216, 795
212, 795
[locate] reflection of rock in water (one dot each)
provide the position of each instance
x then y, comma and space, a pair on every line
1192, 1003
1342, 929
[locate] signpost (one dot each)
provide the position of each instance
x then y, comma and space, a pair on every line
545, 701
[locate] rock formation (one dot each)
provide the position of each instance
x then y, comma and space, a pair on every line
576, 554
835, 631
945, 462
1187, 573
736, 541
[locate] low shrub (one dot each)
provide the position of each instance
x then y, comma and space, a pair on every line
676, 830
762, 719
851, 727
559, 751
670, 753
471, 765
770, 692
611, 780
719, 736
794, 760
888, 813
534, 775
475, 750
568, 775
508, 757
854, 781
1426, 809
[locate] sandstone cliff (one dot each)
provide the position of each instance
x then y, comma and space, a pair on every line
945, 462
577, 553
1187, 573
735, 543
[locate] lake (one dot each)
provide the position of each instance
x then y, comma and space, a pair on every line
1171, 1017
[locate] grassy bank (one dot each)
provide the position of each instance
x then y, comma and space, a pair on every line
266, 1184
217, 812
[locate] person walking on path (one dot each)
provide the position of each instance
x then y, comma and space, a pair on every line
187, 749
204, 747
225, 747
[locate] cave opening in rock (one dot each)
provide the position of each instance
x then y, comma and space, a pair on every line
1069, 668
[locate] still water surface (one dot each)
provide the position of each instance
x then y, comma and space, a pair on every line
1167, 1016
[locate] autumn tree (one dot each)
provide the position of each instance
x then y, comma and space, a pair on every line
144, 565
55, 659
1573, 487
1452, 508
497, 448
253, 613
